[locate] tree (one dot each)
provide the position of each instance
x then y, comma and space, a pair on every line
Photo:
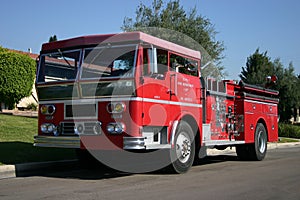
2, 50
172, 16
17, 72
53, 38
287, 87
259, 66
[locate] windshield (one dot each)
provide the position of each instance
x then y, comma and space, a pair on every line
58, 66
108, 62
63, 67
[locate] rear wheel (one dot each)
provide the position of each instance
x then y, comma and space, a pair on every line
257, 150
182, 155
260, 145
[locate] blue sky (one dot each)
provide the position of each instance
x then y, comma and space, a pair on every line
244, 26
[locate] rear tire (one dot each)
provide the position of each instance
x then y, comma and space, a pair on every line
260, 145
183, 153
256, 151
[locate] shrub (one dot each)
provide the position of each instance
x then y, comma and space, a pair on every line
17, 73
288, 130
2, 50
32, 106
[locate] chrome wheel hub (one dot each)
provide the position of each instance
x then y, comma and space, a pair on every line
261, 142
183, 147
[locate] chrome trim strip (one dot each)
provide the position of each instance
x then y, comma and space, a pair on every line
158, 146
221, 142
149, 100
223, 94
59, 141
179, 103
259, 102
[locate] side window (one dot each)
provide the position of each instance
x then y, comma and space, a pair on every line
146, 62
155, 64
162, 61
183, 65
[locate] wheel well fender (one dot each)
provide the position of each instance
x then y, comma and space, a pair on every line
194, 125
262, 121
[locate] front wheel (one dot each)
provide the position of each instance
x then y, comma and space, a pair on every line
182, 155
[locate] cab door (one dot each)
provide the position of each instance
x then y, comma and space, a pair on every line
155, 88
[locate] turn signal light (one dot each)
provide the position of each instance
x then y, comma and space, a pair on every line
47, 109
117, 107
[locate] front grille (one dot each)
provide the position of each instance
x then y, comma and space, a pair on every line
79, 128
67, 128
89, 127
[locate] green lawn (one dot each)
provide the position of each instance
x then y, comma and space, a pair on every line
16, 142
284, 140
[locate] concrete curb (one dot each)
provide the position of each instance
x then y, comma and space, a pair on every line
229, 151
7, 171
26, 169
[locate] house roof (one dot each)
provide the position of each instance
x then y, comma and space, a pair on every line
31, 55
117, 38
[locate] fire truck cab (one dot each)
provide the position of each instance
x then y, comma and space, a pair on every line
136, 92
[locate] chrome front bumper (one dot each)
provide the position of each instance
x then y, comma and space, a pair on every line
129, 143
59, 141
133, 143
140, 143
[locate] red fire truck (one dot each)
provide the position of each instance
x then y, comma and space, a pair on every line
135, 92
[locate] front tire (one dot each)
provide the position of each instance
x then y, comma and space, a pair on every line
183, 153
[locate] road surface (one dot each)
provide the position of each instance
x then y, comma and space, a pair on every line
217, 177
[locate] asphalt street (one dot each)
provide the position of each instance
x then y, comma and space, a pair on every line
216, 177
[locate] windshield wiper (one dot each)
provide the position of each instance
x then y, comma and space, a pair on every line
61, 54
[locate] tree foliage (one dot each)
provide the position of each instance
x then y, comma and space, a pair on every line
172, 16
53, 38
259, 66
17, 73
2, 50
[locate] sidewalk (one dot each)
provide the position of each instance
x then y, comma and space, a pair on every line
228, 151
26, 113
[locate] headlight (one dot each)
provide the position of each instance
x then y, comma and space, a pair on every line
110, 128
49, 128
115, 128
47, 109
44, 128
117, 107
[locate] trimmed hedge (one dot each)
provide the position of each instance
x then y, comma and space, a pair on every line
288, 130
17, 72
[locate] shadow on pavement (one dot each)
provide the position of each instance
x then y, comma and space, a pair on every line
98, 171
